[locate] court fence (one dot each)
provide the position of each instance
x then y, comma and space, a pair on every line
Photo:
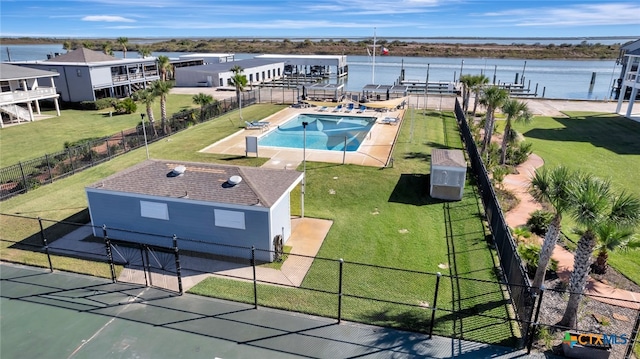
386, 296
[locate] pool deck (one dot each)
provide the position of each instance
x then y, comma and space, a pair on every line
374, 150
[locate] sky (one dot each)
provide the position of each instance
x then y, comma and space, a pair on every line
335, 19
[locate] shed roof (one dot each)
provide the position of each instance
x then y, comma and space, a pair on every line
203, 181
448, 158
12, 72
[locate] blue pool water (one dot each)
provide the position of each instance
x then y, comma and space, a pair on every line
324, 132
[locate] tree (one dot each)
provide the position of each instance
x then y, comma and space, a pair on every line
552, 187
594, 205
67, 45
144, 51
147, 97
466, 80
123, 41
493, 97
106, 48
202, 99
164, 65
478, 83
162, 89
239, 81
611, 238
517, 111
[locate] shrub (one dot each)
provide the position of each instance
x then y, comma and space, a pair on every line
539, 221
125, 106
99, 104
530, 253
519, 153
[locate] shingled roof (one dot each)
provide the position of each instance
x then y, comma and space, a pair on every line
202, 181
82, 55
448, 158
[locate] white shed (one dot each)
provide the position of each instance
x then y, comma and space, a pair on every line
448, 173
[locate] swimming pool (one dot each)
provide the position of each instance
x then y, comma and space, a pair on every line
324, 132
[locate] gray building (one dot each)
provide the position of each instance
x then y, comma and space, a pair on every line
220, 74
201, 203
87, 75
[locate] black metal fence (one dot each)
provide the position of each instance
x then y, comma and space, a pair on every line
519, 287
27, 175
471, 309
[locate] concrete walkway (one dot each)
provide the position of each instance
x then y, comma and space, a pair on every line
519, 184
307, 235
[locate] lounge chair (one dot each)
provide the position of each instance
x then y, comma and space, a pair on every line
390, 120
261, 123
349, 108
323, 109
337, 108
362, 109
255, 125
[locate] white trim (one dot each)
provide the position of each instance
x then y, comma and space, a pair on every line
178, 200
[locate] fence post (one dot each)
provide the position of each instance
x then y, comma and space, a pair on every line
341, 261
107, 243
531, 332
124, 143
633, 338
106, 142
46, 157
45, 244
24, 178
255, 284
177, 254
73, 169
435, 305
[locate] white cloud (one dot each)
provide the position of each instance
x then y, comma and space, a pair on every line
106, 18
579, 15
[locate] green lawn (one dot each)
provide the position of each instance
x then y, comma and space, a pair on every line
409, 232
604, 144
385, 217
31, 140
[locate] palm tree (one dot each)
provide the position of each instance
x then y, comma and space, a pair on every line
239, 81
202, 99
162, 89
123, 41
517, 111
106, 48
552, 187
144, 51
594, 205
164, 65
466, 80
147, 96
493, 97
611, 238
478, 83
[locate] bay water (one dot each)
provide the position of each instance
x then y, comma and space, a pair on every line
557, 79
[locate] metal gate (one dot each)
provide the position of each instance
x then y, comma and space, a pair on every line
145, 264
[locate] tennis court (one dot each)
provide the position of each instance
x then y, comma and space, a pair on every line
65, 315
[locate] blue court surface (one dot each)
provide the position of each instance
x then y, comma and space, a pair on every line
64, 315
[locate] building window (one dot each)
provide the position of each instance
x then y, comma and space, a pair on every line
257, 76
5, 87
250, 77
221, 82
229, 219
154, 210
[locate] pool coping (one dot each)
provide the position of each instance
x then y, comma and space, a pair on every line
374, 151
